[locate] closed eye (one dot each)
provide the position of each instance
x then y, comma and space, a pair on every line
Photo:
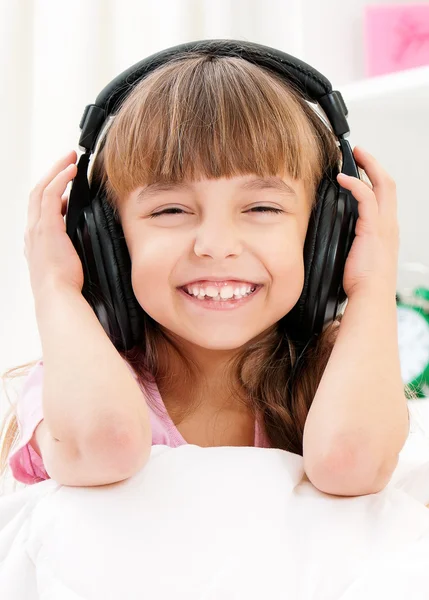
262, 209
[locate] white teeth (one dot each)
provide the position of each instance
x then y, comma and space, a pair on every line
225, 293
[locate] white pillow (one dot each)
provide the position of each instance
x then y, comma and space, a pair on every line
221, 523
412, 473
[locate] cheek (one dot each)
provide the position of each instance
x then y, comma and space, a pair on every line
152, 265
283, 255
286, 268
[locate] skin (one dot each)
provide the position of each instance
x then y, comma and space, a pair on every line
216, 234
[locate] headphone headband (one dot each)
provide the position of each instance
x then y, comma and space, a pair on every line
312, 85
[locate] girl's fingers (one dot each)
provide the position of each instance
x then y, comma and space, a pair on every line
383, 184
365, 197
35, 199
52, 204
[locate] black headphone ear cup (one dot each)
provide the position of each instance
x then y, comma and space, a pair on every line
117, 264
329, 236
296, 322
101, 246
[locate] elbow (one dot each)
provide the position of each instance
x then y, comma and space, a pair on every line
350, 472
123, 447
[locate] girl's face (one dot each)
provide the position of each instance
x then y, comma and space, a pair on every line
213, 227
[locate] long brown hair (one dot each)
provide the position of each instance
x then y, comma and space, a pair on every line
204, 116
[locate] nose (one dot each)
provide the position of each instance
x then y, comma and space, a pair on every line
217, 240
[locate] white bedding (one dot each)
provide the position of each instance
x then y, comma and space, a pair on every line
217, 523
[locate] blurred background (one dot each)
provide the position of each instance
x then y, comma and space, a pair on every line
56, 56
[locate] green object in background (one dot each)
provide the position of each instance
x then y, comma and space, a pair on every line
413, 337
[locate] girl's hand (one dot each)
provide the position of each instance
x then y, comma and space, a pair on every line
51, 256
372, 262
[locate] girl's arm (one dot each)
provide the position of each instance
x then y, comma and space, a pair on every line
91, 402
96, 421
358, 421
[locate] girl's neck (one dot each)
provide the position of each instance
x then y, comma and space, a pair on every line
206, 391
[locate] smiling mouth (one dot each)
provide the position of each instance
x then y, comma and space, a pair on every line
218, 298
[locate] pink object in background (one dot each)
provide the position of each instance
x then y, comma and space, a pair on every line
396, 37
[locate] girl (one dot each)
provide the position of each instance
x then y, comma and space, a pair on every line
212, 167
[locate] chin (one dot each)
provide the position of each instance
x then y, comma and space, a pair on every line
221, 340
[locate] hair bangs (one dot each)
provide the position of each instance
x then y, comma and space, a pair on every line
209, 117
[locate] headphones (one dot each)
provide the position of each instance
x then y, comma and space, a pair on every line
99, 240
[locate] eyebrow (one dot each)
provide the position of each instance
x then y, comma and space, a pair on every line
267, 183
